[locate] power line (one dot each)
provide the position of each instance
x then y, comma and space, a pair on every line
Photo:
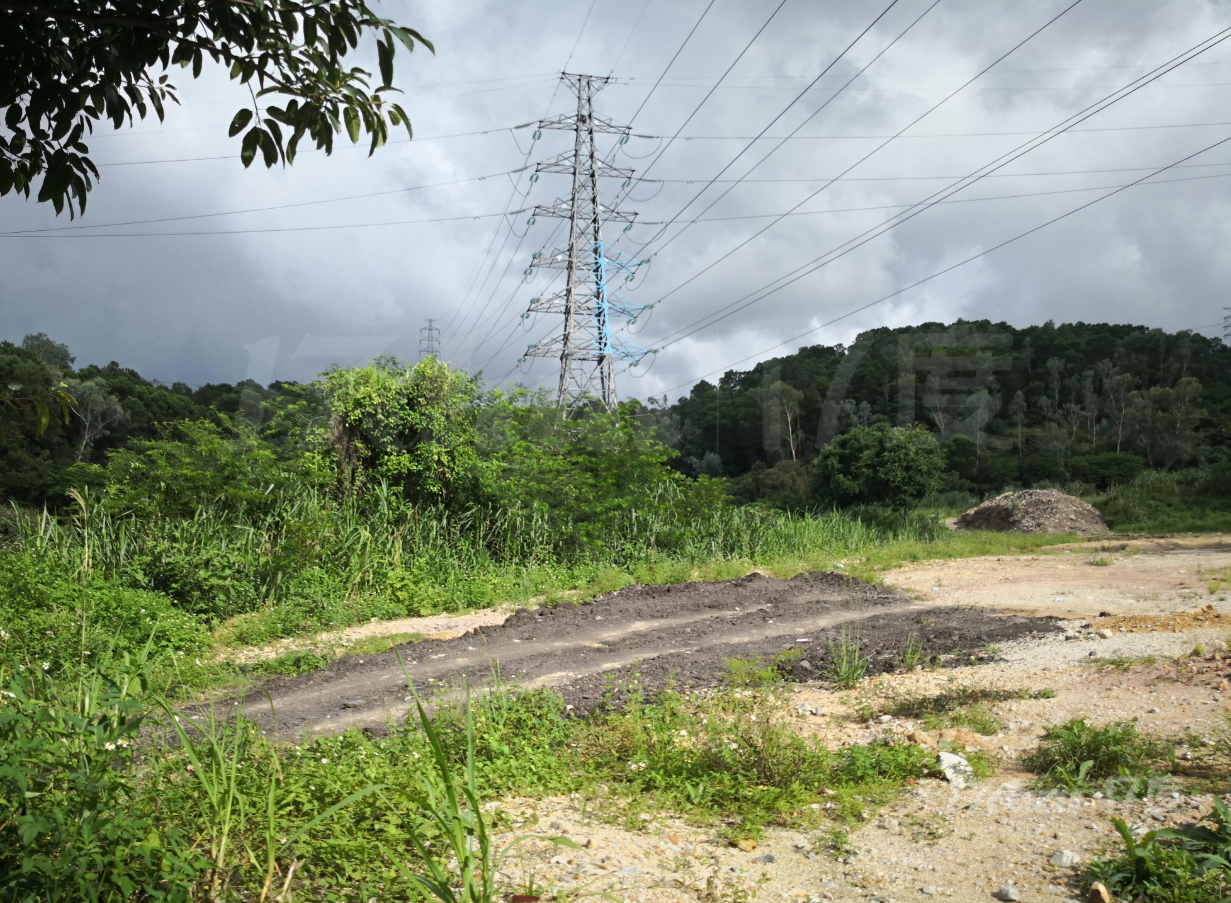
813, 115
922, 90
713, 219
876, 149
349, 197
415, 140
256, 231
868, 137
1002, 175
128, 133
999, 163
698, 107
955, 266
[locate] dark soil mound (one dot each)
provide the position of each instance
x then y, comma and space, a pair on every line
1035, 511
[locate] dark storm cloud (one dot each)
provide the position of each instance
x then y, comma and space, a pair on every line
285, 303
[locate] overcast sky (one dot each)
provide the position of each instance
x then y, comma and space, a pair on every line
282, 293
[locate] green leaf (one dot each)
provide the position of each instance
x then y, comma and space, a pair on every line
269, 150
351, 119
241, 120
248, 149
384, 53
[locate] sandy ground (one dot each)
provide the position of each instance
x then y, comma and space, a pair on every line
938, 841
1069, 584
935, 840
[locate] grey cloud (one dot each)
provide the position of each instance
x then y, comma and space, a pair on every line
184, 308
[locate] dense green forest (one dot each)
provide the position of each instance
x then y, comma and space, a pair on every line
1094, 403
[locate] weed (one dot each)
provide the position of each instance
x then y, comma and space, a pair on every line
1102, 561
836, 842
455, 814
1122, 662
754, 672
1079, 758
301, 661
1191, 865
911, 655
847, 665
964, 707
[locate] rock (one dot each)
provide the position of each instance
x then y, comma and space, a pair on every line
767, 858
1154, 711
1034, 511
747, 844
1104, 634
1099, 893
927, 889
673, 839
922, 738
885, 719
956, 769
354, 703
1008, 894
1064, 859
962, 737
805, 665
891, 825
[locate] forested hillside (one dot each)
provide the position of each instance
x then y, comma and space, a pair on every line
1095, 403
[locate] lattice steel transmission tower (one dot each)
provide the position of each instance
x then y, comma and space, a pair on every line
1226, 326
429, 340
586, 348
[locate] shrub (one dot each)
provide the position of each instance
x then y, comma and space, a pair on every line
1079, 758
1107, 469
1191, 865
55, 614
879, 465
73, 825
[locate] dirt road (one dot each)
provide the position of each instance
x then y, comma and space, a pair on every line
655, 634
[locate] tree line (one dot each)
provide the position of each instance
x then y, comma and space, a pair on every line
1096, 403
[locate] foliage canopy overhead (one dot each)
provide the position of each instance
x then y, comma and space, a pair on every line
70, 63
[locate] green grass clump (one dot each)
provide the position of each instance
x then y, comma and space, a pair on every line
964, 707
733, 756
1191, 865
754, 672
847, 664
1079, 759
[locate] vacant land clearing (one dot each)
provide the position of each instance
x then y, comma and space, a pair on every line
1008, 647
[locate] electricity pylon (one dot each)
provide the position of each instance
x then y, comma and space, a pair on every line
429, 340
585, 346
1226, 326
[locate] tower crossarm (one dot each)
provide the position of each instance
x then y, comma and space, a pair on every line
566, 162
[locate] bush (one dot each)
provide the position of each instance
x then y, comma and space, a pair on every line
53, 614
1192, 865
73, 825
1078, 758
1196, 499
1106, 470
878, 465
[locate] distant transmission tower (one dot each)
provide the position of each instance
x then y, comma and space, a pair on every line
585, 346
429, 340
1226, 326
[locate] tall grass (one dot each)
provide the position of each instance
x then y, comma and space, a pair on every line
307, 561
